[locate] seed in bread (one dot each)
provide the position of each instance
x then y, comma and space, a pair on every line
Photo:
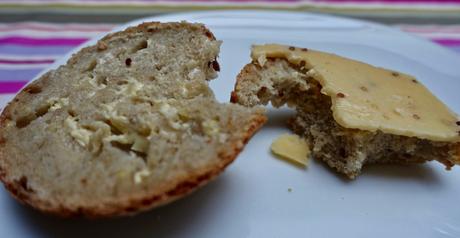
351, 113
124, 126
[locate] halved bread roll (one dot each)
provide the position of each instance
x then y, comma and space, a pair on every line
126, 125
351, 113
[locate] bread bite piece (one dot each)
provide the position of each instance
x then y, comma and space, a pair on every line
124, 126
351, 113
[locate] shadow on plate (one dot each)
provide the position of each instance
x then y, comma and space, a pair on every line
420, 173
172, 220
423, 173
278, 117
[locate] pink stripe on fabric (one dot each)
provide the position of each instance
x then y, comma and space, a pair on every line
11, 87
248, 1
447, 42
5, 61
89, 28
105, 2
17, 40
394, 1
222, 1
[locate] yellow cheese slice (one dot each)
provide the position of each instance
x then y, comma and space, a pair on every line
292, 148
371, 98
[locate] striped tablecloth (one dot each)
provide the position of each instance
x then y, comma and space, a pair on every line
27, 48
359, 7
28, 44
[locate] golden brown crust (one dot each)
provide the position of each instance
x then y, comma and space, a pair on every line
130, 205
247, 70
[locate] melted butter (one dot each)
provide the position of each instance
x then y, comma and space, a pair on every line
210, 127
173, 116
81, 135
132, 87
138, 143
118, 121
371, 98
139, 176
57, 103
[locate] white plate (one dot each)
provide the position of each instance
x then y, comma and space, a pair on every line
251, 199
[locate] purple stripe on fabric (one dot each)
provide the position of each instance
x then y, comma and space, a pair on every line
180, 1
246, 1
32, 50
447, 42
394, 1
18, 74
6, 61
11, 87
17, 40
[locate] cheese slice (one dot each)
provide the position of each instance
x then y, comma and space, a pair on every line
371, 98
292, 148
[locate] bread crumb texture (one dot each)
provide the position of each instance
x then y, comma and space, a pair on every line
123, 126
351, 113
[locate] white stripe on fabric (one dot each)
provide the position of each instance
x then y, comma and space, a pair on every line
23, 66
357, 5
